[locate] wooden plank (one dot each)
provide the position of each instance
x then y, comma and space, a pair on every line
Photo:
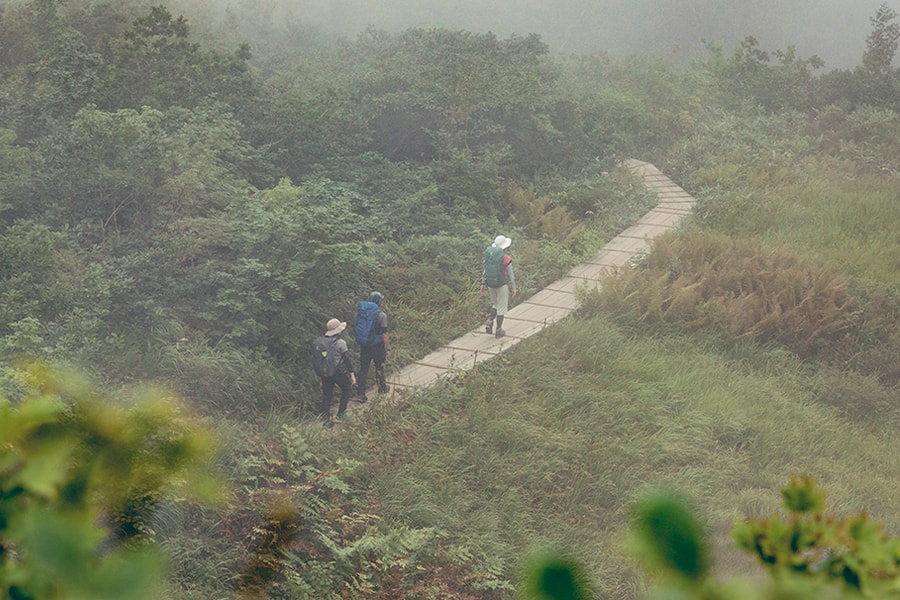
448, 358
479, 341
571, 284
558, 299
538, 315
554, 299
675, 200
645, 230
660, 218
665, 188
594, 272
518, 330
630, 245
610, 257
416, 375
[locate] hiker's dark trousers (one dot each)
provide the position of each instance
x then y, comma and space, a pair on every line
375, 353
342, 380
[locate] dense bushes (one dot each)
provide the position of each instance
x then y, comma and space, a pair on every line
160, 179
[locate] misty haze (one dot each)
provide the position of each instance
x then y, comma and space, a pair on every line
834, 30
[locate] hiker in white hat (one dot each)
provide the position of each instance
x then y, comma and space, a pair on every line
332, 363
499, 279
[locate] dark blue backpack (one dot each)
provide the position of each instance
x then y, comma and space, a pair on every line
365, 327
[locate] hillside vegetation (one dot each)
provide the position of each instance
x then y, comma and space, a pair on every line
184, 206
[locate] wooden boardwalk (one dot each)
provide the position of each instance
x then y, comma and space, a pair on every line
557, 300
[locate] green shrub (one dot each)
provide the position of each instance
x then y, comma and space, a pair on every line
726, 150
748, 80
809, 554
226, 380
854, 552
555, 577
611, 108
80, 475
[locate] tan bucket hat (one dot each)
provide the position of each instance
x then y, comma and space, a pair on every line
334, 327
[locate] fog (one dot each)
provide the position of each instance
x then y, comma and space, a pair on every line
834, 30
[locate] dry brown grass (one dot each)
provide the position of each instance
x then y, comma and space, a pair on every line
737, 286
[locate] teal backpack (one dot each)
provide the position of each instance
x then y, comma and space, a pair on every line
493, 267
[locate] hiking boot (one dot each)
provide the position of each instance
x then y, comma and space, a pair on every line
361, 399
328, 423
340, 416
500, 333
384, 390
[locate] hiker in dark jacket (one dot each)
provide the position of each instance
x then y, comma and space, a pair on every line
343, 377
374, 344
499, 279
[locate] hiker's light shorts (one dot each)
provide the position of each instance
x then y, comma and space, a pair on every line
500, 299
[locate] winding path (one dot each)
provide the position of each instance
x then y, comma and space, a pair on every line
558, 299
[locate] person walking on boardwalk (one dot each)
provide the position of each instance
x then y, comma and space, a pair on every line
374, 343
499, 279
332, 363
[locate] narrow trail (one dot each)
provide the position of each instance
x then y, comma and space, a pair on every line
558, 299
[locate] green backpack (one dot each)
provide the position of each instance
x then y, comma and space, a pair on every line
493, 267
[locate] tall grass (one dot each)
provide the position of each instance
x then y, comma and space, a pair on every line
847, 220
550, 446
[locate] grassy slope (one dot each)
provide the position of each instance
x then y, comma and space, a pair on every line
850, 221
552, 447
549, 444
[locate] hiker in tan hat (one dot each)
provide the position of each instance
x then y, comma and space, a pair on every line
332, 363
499, 279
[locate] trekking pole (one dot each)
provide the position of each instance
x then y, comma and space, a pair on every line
379, 379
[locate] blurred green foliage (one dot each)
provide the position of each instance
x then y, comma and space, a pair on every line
555, 577
79, 478
668, 535
809, 555
854, 551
